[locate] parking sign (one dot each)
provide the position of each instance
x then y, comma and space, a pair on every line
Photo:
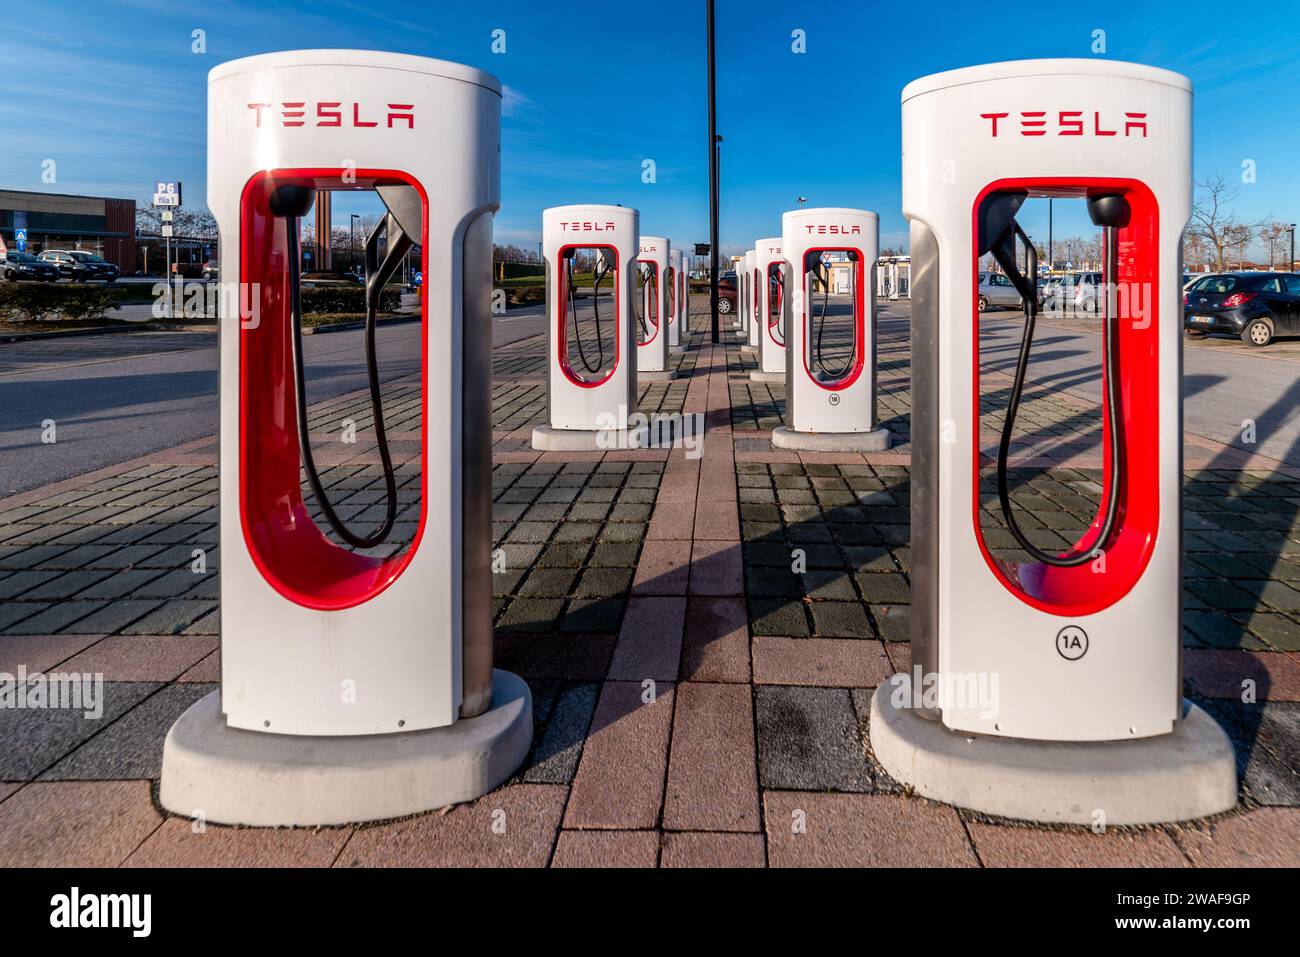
167, 193
20, 240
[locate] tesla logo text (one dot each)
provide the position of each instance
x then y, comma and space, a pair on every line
586, 227
649, 249
774, 250
1068, 123
324, 113
833, 230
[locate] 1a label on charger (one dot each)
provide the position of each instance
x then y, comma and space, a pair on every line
1072, 642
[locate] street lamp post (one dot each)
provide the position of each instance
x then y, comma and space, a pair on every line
713, 183
801, 200
352, 230
1291, 230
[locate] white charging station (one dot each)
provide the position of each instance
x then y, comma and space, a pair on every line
830, 404
684, 304
353, 687
652, 310
675, 299
591, 364
738, 268
767, 335
1083, 647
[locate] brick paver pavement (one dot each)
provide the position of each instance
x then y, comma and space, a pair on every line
696, 702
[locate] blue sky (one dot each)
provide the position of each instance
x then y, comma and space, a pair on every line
112, 92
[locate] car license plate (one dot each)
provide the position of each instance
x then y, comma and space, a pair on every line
1203, 320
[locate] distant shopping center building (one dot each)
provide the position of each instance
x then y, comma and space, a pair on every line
97, 224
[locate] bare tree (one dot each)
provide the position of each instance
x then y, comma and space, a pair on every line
1274, 236
1213, 221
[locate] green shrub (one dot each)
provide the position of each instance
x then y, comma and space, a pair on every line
336, 299
37, 302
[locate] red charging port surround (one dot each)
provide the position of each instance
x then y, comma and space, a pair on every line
1086, 589
562, 319
292, 553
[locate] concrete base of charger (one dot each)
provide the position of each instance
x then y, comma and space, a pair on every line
547, 439
230, 776
749, 350
1187, 774
784, 437
667, 375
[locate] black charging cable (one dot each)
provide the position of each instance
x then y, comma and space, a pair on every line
822, 270
1027, 286
293, 205
598, 276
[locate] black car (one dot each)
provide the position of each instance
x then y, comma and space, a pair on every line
1253, 305
26, 266
80, 266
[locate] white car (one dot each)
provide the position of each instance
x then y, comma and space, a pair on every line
996, 290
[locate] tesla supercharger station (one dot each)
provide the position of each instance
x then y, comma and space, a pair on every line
1082, 717
768, 332
676, 301
591, 364
683, 325
355, 685
652, 310
738, 267
767, 269
830, 317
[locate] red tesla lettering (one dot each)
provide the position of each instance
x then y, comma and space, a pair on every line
406, 111
1071, 122
1096, 126
293, 114
356, 117
259, 107
328, 117
1032, 124
1133, 124
994, 117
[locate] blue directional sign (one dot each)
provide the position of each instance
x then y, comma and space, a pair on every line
20, 240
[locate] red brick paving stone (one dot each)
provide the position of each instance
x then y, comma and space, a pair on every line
712, 778
209, 669
464, 836
1264, 837
693, 849
716, 645
75, 823
650, 641
820, 662
620, 779
8, 788
717, 520
175, 844
1219, 672
143, 657
1007, 846
40, 652
717, 569
663, 569
863, 830
672, 521
679, 487
900, 656
606, 849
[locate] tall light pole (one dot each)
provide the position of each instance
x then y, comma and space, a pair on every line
713, 183
352, 231
1291, 230
801, 200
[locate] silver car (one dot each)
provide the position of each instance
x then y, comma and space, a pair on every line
996, 290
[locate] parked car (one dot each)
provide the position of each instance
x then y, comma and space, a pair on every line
1089, 292
81, 266
727, 293
211, 270
20, 266
996, 290
1056, 292
1255, 306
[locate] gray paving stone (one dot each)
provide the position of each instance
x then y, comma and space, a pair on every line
37, 739
559, 747
810, 739
130, 747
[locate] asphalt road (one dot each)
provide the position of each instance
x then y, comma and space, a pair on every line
117, 396
1225, 382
